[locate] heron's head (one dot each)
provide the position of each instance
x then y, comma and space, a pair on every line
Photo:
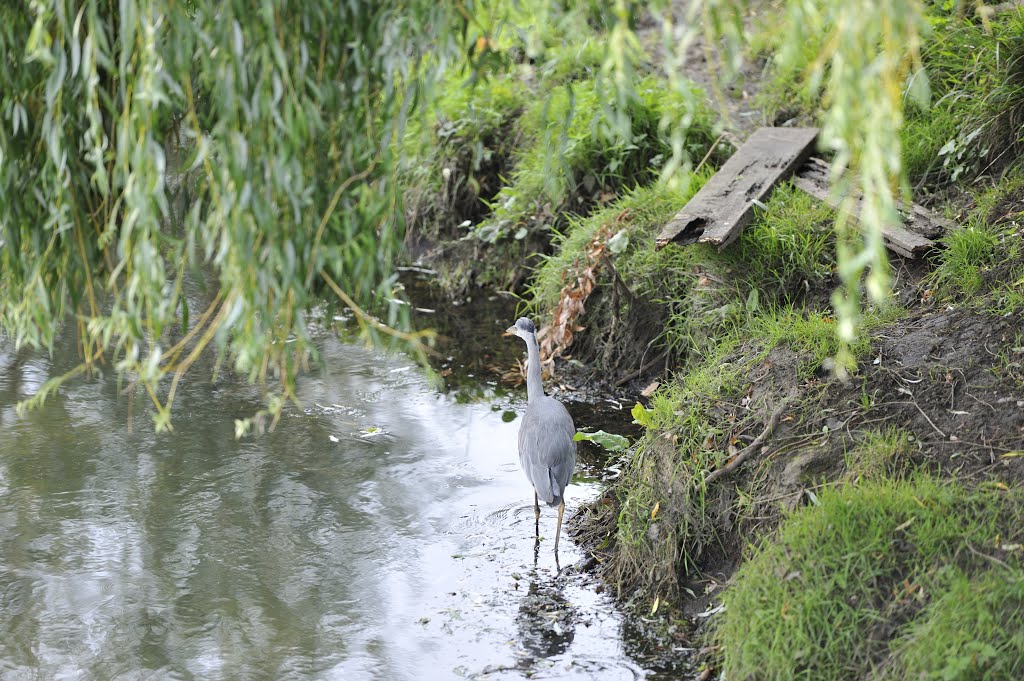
523, 328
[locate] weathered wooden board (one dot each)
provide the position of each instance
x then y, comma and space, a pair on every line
725, 205
911, 239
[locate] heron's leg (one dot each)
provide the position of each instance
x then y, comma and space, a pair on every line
536, 516
558, 531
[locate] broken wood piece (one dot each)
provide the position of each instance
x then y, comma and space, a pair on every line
911, 239
725, 205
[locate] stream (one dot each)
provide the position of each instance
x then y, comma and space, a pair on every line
381, 531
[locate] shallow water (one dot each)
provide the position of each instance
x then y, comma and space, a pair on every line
384, 531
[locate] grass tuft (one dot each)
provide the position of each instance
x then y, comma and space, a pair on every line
968, 251
857, 583
983, 262
880, 454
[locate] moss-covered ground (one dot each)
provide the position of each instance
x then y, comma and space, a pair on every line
876, 533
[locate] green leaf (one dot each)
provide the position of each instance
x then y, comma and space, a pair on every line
642, 415
620, 242
610, 441
919, 89
753, 301
184, 314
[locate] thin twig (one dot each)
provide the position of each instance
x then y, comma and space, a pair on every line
751, 448
798, 492
930, 422
980, 401
640, 372
985, 555
711, 149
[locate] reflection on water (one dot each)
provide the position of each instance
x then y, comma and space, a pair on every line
385, 532
546, 620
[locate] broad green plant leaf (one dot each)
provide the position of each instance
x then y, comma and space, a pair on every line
609, 441
642, 415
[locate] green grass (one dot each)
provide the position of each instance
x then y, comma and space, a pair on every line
572, 61
923, 136
861, 581
788, 244
811, 334
666, 472
785, 88
975, 76
451, 155
684, 404
982, 264
572, 158
976, 79
641, 212
968, 251
880, 454
723, 313
701, 294
689, 421
973, 629
786, 252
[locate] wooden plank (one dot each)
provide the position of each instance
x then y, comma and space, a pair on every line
911, 239
725, 205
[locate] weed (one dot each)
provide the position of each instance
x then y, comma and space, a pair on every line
832, 594
790, 246
924, 135
571, 62
786, 89
454, 155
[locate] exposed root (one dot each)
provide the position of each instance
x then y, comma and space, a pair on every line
752, 448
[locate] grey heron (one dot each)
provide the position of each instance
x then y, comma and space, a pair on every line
547, 451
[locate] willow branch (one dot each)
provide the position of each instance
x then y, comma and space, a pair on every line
175, 350
365, 319
330, 210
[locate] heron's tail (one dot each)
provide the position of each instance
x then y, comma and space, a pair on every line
556, 489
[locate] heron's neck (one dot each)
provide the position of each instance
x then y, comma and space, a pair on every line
534, 386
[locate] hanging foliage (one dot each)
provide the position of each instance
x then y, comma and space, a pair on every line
238, 146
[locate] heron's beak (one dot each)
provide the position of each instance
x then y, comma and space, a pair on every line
510, 331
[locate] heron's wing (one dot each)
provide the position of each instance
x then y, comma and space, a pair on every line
547, 451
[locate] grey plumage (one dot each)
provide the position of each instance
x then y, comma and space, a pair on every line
547, 451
